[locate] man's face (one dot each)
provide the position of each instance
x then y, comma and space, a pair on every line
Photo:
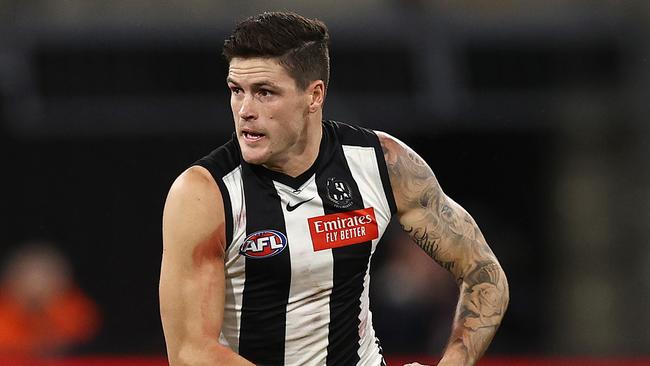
269, 110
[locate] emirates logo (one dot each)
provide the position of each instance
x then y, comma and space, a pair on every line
343, 228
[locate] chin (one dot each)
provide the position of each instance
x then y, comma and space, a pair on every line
254, 157
254, 161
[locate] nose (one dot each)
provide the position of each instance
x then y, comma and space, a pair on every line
247, 109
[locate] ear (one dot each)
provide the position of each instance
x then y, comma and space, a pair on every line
316, 91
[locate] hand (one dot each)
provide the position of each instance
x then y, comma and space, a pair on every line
414, 364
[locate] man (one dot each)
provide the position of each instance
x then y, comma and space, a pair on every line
267, 240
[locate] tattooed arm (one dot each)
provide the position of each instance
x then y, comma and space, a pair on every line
449, 235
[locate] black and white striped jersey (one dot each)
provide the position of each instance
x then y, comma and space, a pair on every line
297, 264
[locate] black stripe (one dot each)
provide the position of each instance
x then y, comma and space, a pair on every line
227, 206
220, 162
381, 351
266, 290
350, 264
385, 179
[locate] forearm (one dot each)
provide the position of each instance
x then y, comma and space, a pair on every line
481, 305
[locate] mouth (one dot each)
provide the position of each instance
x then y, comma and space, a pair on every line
252, 136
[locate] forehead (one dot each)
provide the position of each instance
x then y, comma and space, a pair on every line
254, 70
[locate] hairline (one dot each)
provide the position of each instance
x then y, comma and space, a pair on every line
278, 60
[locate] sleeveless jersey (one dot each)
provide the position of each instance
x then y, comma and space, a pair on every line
298, 256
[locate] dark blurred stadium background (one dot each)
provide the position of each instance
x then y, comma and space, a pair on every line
533, 114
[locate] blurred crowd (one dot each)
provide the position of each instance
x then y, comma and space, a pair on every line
43, 313
413, 298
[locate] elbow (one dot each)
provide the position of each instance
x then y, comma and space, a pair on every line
192, 354
505, 289
185, 355
490, 278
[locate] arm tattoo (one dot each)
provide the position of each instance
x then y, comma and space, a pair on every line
432, 216
449, 235
483, 289
435, 222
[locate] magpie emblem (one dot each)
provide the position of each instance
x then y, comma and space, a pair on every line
339, 192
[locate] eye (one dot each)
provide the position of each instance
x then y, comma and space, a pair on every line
235, 90
264, 92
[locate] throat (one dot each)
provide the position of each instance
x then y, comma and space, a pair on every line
292, 167
300, 160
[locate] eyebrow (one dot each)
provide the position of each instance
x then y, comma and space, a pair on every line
254, 85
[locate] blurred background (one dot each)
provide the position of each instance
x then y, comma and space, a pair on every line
533, 114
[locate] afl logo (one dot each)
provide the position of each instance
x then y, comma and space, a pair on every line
263, 244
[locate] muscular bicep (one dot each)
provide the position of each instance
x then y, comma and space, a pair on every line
440, 226
192, 270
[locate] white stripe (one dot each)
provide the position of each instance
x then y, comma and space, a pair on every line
365, 171
307, 325
235, 264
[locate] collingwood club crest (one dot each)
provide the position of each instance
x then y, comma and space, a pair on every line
339, 192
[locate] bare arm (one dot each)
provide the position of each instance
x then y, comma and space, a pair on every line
449, 235
192, 281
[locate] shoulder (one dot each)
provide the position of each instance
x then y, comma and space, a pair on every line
388, 142
193, 217
412, 180
194, 202
393, 148
194, 181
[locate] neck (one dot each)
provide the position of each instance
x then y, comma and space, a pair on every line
304, 153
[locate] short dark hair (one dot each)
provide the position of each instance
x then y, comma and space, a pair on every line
300, 44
